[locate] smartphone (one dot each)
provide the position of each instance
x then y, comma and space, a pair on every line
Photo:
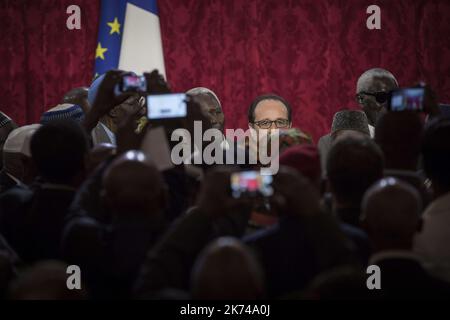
134, 83
407, 99
251, 184
166, 106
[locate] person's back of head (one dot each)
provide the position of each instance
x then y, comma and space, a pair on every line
58, 150
349, 120
77, 96
436, 154
391, 214
399, 135
353, 164
305, 159
47, 280
226, 269
132, 185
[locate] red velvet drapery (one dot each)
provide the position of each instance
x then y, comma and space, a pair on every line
308, 51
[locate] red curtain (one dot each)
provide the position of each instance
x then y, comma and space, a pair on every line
309, 51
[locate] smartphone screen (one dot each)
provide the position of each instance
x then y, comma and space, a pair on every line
166, 106
251, 184
410, 99
134, 83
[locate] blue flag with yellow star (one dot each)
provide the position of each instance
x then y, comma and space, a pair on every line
129, 37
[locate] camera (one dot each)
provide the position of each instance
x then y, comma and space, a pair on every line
407, 99
131, 83
167, 106
251, 184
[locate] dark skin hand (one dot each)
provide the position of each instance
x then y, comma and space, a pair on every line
105, 99
127, 136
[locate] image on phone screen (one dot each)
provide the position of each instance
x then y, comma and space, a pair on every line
166, 106
407, 99
251, 184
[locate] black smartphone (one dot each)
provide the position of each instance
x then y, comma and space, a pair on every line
131, 83
407, 99
251, 184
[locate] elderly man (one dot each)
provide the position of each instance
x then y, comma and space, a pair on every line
391, 216
372, 91
17, 164
210, 104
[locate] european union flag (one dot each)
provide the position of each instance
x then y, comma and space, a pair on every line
129, 37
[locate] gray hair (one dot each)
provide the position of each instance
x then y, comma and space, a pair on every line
374, 73
204, 91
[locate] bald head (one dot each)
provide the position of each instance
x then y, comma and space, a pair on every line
373, 81
210, 105
78, 96
391, 214
133, 185
227, 270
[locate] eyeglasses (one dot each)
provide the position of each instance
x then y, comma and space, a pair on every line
380, 97
266, 124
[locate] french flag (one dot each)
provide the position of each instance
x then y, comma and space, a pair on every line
129, 37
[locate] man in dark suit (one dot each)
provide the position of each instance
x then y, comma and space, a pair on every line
391, 216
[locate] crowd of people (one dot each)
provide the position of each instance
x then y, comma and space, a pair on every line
78, 188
